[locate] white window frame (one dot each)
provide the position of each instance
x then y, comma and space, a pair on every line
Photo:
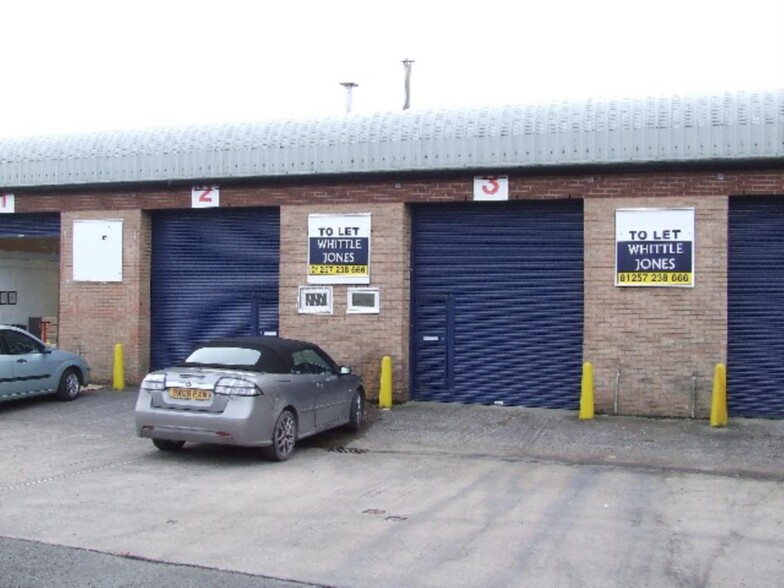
304, 290
375, 309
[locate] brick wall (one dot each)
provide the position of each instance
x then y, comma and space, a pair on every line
653, 345
658, 337
658, 346
359, 340
95, 316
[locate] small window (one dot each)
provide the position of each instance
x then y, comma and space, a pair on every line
363, 301
314, 300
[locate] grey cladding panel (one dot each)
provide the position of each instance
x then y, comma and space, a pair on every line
722, 127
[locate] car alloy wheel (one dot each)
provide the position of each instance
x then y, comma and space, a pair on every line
283, 437
69, 385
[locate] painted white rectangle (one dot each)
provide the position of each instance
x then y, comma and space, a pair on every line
7, 203
430, 338
97, 250
491, 188
205, 196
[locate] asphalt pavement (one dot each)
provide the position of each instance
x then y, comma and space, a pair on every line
426, 494
751, 448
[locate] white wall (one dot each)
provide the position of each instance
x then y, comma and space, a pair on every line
35, 278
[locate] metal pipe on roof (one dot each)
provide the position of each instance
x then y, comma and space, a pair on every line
407, 65
349, 86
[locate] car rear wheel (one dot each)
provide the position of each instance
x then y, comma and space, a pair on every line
69, 386
356, 413
284, 437
167, 444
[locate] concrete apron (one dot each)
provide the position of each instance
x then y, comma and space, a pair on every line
426, 495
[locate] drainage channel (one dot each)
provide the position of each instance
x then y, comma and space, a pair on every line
350, 450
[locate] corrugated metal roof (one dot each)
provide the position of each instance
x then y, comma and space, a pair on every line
729, 126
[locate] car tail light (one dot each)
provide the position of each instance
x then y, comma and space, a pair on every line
237, 387
153, 382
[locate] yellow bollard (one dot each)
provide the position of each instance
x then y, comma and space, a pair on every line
385, 392
586, 392
718, 414
118, 383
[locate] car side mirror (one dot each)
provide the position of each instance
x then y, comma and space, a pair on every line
345, 371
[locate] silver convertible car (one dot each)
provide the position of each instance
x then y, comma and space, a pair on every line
30, 367
251, 391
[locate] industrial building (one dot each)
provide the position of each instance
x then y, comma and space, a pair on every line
489, 251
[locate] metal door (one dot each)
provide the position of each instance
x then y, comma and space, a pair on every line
264, 313
434, 346
43, 224
497, 298
214, 274
755, 301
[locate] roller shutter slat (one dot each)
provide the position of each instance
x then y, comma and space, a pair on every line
30, 225
208, 267
755, 297
513, 275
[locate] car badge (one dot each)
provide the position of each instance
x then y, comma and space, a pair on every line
187, 383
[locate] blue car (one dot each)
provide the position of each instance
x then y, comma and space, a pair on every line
30, 367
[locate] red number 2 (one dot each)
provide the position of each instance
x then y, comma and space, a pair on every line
206, 196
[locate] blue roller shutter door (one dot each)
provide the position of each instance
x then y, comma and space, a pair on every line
214, 274
30, 225
755, 298
498, 303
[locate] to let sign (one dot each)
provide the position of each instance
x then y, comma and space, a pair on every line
339, 248
205, 196
654, 247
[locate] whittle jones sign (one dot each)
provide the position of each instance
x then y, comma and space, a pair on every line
654, 247
339, 248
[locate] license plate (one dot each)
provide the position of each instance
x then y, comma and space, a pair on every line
190, 394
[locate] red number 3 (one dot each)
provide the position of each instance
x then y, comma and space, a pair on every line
492, 185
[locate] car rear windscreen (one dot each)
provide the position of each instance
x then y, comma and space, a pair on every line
225, 356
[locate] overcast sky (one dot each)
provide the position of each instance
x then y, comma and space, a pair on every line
82, 65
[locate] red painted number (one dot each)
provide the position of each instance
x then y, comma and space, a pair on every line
206, 196
492, 185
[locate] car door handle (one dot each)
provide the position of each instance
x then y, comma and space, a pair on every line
21, 360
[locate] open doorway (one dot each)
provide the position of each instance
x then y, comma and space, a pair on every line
30, 274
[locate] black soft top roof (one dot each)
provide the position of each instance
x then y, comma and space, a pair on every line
275, 351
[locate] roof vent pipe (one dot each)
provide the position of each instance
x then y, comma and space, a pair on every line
349, 86
407, 65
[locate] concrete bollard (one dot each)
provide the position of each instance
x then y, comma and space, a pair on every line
385, 391
118, 381
718, 415
586, 392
